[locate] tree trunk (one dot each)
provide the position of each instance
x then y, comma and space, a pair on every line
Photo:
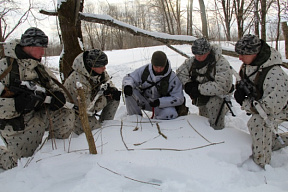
71, 33
256, 17
263, 20
278, 25
189, 17
203, 19
285, 33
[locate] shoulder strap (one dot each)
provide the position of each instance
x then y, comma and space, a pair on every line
8, 69
260, 77
14, 74
145, 74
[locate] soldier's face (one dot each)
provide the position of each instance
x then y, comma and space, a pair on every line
158, 69
35, 52
202, 57
247, 59
99, 70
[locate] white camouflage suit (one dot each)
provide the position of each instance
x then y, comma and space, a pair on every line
136, 102
24, 143
215, 89
91, 85
274, 103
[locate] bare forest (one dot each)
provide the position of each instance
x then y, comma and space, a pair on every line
217, 20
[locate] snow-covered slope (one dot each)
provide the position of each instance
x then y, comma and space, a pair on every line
186, 156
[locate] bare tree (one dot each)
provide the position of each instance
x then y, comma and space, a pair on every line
8, 8
226, 19
285, 32
203, 18
256, 17
189, 17
242, 12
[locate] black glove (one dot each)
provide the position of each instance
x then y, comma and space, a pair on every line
239, 96
191, 87
113, 92
26, 102
195, 93
155, 103
58, 100
22, 103
128, 90
116, 95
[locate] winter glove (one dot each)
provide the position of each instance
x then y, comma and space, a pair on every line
128, 90
58, 100
155, 103
22, 103
239, 96
191, 87
195, 93
112, 92
116, 95
26, 102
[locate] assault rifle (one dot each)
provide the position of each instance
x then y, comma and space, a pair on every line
247, 88
103, 88
36, 93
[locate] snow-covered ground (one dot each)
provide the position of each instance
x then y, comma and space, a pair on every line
132, 155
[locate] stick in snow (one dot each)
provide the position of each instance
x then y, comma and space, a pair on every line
84, 118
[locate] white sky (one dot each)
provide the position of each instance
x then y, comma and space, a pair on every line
48, 24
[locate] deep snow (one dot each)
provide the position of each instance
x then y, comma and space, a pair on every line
133, 156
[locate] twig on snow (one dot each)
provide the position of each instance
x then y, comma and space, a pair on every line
159, 131
198, 133
123, 137
189, 149
137, 144
145, 182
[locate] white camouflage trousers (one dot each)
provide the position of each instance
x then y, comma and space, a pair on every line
136, 102
264, 140
24, 143
211, 111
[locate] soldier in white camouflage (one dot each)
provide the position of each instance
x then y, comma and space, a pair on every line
25, 114
101, 96
154, 87
207, 79
267, 84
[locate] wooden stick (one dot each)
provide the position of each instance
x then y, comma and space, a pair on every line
84, 118
128, 177
159, 131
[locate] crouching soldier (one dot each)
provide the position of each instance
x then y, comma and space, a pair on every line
155, 87
101, 95
207, 79
263, 84
31, 100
